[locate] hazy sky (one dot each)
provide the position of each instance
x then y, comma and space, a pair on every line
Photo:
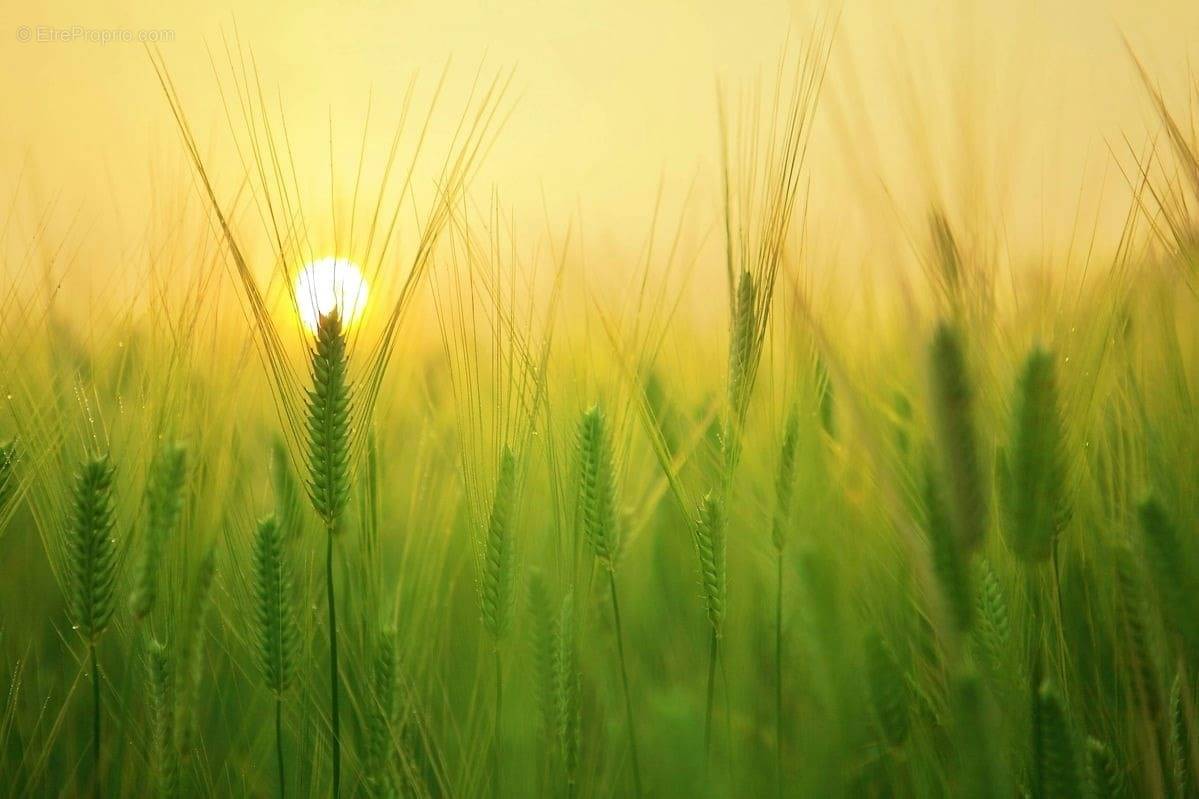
613, 97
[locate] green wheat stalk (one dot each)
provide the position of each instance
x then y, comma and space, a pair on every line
954, 424
784, 488
164, 504
278, 637
161, 696
1038, 507
328, 429
597, 495
92, 558
497, 583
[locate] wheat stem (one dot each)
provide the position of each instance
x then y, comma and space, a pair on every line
624, 676
333, 681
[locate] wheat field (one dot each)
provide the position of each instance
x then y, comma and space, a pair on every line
348, 478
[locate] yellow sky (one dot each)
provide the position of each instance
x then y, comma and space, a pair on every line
925, 99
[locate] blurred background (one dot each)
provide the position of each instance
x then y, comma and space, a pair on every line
1016, 114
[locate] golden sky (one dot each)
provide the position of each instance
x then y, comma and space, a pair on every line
1007, 110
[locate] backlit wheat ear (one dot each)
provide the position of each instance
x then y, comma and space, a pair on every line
1036, 479
1057, 762
92, 562
953, 421
888, 690
329, 424
161, 697
164, 502
710, 547
597, 487
784, 481
498, 579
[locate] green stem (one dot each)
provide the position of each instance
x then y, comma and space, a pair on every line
279, 745
95, 668
333, 681
624, 676
712, 653
495, 737
778, 673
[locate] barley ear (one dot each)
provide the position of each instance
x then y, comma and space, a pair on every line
274, 611
161, 697
888, 690
741, 344
498, 579
381, 720
1057, 765
1036, 482
287, 491
710, 547
1103, 771
1131, 615
329, 423
191, 657
597, 487
91, 549
950, 562
1173, 577
784, 481
164, 503
542, 633
953, 419
567, 690
8, 476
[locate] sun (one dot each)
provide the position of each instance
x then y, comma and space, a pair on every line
328, 284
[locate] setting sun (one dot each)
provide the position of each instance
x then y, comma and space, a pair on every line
327, 284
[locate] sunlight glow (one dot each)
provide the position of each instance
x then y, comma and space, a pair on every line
330, 283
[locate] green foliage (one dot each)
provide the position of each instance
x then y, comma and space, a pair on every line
1038, 505
91, 549
164, 503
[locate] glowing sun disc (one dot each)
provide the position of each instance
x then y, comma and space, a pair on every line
327, 284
